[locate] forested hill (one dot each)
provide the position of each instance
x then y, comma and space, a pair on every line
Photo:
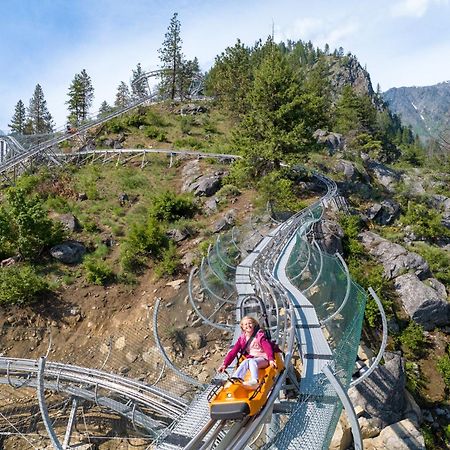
426, 109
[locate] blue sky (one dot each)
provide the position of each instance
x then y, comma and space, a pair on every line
401, 42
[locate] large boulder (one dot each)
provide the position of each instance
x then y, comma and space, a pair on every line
68, 252
403, 435
396, 260
69, 222
382, 394
424, 303
333, 141
384, 213
387, 177
330, 236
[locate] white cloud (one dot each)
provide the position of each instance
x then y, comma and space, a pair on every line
414, 8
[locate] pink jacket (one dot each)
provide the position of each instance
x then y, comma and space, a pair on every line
239, 346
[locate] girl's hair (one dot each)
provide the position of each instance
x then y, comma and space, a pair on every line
255, 322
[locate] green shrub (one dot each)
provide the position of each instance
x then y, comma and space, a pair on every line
443, 365
135, 120
155, 119
227, 191
97, 271
142, 241
20, 285
413, 341
188, 142
115, 125
58, 204
438, 260
424, 221
161, 136
186, 124
25, 227
278, 190
171, 207
151, 131
415, 382
170, 262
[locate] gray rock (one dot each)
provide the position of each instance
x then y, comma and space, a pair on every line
333, 141
68, 252
69, 221
384, 213
211, 205
396, 260
177, 234
207, 185
382, 394
402, 435
385, 176
424, 304
330, 237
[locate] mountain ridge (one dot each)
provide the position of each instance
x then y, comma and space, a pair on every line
425, 108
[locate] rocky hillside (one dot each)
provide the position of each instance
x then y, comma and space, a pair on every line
426, 108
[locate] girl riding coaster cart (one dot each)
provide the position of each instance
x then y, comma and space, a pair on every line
246, 392
255, 347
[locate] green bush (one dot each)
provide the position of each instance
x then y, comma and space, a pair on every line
151, 131
443, 365
227, 191
135, 120
413, 341
25, 227
97, 271
278, 190
142, 241
155, 119
415, 381
424, 221
189, 142
20, 285
186, 124
170, 262
171, 207
438, 260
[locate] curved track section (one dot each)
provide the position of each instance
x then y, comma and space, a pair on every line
311, 307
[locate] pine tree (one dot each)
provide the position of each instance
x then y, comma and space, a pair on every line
18, 120
171, 58
104, 109
231, 77
123, 97
278, 122
81, 95
189, 73
39, 119
139, 84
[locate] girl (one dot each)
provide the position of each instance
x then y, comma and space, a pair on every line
256, 348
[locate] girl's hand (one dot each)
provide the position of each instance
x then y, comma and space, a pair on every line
273, 364
222, 368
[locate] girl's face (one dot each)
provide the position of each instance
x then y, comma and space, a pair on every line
247, 326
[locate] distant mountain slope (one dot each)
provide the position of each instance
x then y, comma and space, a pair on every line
426, 109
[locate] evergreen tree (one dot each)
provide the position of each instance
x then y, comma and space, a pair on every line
39, 119
104, 109
18, 120
139, 84
279, 122
189, 73
123, 96
171, 58
231, 77
81, 95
